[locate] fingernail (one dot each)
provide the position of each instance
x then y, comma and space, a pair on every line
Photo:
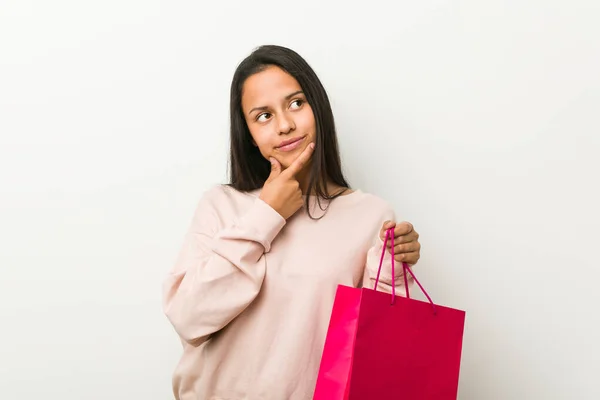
312, 145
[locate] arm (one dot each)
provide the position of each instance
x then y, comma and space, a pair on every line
407, 249
219, 272
385, 278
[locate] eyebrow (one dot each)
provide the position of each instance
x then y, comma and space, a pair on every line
263, 108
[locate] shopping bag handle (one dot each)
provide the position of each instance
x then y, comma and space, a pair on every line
389, 235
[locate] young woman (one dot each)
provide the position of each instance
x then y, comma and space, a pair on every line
252, 290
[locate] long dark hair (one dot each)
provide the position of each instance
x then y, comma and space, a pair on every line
248, 168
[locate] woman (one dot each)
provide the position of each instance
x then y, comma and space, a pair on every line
252, 290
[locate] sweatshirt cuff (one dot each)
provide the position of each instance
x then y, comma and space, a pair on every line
264, 221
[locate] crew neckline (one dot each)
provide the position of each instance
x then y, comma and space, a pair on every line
356, 193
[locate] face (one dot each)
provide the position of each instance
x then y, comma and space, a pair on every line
279, 118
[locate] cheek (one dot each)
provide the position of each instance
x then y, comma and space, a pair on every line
260, 140
307, 121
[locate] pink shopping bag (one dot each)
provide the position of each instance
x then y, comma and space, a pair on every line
381, 346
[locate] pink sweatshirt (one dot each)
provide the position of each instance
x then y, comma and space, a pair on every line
251, 294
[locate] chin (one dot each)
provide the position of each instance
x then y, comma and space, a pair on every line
287, 158
285, 164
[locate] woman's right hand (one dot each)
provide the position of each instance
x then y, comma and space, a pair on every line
282, 190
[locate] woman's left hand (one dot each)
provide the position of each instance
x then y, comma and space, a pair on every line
406, 240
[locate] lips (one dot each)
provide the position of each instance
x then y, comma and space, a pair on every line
290, 141
291, 144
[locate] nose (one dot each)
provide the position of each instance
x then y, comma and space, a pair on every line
286, 123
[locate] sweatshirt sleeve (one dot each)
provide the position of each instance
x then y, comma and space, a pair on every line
219, 271
372, 264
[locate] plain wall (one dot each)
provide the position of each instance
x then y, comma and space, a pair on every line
478, 120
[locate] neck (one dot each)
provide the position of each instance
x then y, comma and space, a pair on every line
303, 178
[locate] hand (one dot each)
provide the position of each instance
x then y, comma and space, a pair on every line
281, 190
406, 240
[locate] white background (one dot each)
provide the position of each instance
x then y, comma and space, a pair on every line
478, 120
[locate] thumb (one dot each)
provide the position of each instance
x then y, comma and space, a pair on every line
386, 225
275, 168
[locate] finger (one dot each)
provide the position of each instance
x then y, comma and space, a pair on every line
301, 161
403, 228
275, 169
386, 225
407, 248
410, 237
409, 258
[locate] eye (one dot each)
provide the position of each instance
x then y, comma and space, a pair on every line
297, 103
263, 117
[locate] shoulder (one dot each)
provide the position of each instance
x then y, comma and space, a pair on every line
216, 194
366, 201
219, 205
225, 201
366, 211
377, 201
379, 206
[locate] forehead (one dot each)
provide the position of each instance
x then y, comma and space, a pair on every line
268, 86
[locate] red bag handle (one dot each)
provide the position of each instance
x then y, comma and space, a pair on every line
389, 234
